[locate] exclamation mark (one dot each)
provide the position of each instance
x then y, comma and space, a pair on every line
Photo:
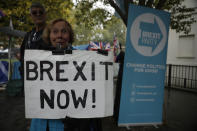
93, 71
93, 97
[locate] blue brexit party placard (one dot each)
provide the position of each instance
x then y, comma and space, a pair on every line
144, 66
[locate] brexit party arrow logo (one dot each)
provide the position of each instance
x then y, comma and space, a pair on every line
151, 34
148, 34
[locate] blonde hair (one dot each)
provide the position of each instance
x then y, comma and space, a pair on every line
47, 30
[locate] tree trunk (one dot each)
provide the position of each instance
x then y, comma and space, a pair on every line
161, 4
118, 10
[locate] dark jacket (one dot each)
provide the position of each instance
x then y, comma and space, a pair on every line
32, 40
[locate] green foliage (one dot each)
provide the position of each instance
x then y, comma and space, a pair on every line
89, 17
115, 26
90, 22
181, 16
18, 11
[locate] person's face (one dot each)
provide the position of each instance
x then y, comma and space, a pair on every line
59, 34
38, 15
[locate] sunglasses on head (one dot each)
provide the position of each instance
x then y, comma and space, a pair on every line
40, 12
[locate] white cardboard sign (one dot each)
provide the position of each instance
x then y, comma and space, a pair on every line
77, 85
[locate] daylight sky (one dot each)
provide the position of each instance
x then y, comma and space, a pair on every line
101, 5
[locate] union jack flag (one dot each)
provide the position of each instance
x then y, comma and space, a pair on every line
116, 47
108, 46
99, 45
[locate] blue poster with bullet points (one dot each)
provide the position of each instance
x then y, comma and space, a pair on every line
144, 67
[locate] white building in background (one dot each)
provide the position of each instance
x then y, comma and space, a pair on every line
182, 48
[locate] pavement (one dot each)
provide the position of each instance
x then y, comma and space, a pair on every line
180, 114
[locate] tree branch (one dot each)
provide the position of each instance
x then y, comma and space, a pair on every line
126, 6
161, 4
142, 2
118, 10
149, 3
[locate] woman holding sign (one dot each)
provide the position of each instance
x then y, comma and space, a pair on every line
59, 35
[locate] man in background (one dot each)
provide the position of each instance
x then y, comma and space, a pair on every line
33, 38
